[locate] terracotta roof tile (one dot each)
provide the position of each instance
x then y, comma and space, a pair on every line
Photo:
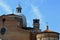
47, 31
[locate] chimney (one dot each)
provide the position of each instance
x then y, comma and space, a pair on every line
36, 24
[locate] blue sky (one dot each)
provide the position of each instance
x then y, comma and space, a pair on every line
48, 11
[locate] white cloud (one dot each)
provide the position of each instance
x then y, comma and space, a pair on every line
37, 13
5, 6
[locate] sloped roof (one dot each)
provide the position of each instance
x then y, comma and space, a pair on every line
47, 31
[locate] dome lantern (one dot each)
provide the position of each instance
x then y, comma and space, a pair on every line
18, 9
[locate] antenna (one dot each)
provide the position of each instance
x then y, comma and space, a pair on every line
47, 26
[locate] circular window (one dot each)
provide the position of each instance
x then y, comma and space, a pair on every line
3, 30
